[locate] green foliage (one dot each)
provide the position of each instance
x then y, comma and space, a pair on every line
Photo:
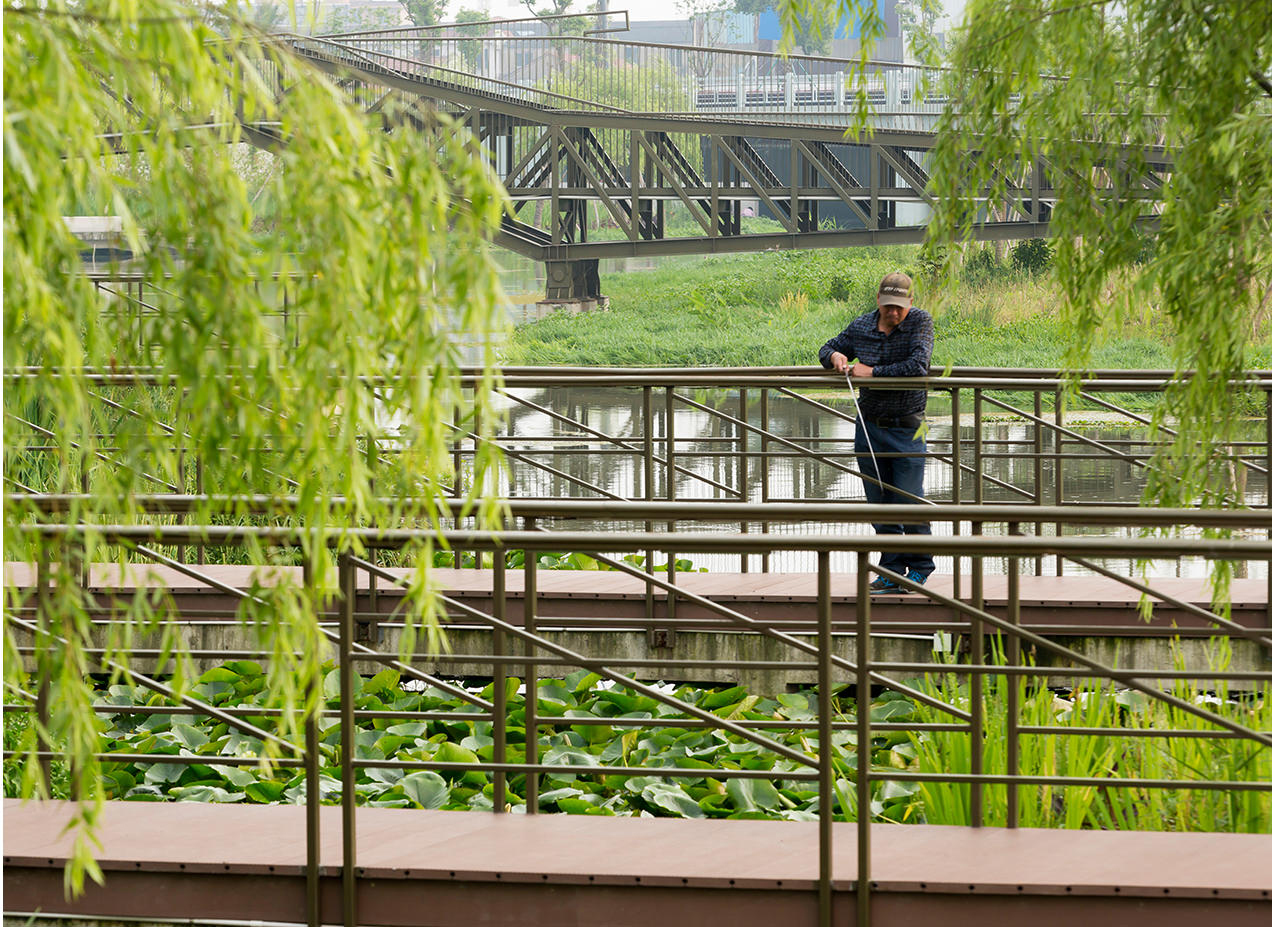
1032, 256
1091, 90
385, 236
743, 310
1190, 80
424, 12
1091, 705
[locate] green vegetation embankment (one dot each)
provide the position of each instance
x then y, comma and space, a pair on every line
778, 308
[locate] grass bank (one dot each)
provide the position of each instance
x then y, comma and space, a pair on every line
778, 308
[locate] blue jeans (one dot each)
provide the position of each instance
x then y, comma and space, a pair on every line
904, 473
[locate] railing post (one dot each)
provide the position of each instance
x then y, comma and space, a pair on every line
315, 697
976, 682
977, 631
979, 445
499, 676
1012, 688
1058, 470
955, 418
349, 736
200, 554
1038, 465
764, 459
742, 469
1268, 460
671, 490
825, 695
649, 483
313, 902
44, 610
863, 743
531, 738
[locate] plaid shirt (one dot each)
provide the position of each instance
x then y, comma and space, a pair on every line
905, 352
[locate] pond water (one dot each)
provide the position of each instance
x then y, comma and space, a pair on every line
716, 463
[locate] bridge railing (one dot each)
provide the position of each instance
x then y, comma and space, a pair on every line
979, 698
742, 435
786, 435
665, 79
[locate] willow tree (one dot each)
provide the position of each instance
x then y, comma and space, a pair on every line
1090, 89
141, 110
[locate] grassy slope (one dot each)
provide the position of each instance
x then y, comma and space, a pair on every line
777, 309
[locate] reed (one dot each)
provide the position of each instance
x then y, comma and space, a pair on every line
1096, 704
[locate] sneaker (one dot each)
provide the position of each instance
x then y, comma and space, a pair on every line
916, 577
882, 585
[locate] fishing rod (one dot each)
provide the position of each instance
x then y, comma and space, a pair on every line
862, 422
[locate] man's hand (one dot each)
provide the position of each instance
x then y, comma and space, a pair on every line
861, 370
840, 362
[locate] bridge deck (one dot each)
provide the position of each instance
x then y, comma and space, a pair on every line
235, 862
567, 598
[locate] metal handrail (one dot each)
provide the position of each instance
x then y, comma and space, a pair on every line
865, 669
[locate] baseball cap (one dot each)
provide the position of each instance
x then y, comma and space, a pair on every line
896, 290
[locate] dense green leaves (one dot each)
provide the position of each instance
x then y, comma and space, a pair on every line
1093, 91
373, 237
580, 755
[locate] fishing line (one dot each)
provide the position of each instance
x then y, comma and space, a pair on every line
862, 422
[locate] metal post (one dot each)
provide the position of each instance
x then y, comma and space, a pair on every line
715, 188
671, 490
649, 485
977, 633
456, 453
499, 675
1038, 466
555, 219
349, 908
200, 554
764, 414
742, 469
825, 695
1268, 462
976, 685
44, 607
315, 698
531, 750
1058, 470
979, 446
955, 418
1012, 689
635, 182
863, 744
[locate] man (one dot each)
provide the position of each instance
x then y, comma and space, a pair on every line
895, 340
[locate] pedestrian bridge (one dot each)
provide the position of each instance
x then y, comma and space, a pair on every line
674, 147
713, 467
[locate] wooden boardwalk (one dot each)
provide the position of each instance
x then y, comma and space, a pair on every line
1056, 604
607, 616
457, 869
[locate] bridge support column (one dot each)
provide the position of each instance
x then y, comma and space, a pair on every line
574, 285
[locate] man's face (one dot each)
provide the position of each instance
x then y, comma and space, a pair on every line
890, 315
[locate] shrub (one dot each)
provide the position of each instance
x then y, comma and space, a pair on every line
1032, 256
982, 267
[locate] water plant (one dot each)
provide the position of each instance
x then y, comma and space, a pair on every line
583, 739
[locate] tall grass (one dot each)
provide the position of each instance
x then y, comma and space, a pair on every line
1095, 704
746, 310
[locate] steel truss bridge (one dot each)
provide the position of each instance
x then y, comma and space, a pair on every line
633, 128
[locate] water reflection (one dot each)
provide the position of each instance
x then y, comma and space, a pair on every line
809, 459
